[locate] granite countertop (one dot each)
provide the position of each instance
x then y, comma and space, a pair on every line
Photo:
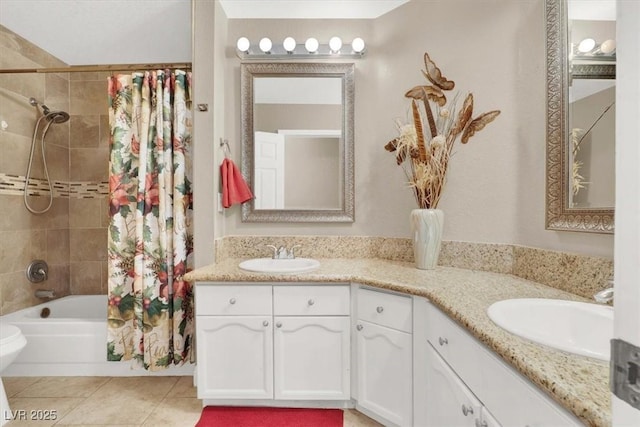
580, 384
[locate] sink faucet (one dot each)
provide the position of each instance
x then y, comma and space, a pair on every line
282, 252
605, 295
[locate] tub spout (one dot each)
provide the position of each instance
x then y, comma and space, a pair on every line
45, 294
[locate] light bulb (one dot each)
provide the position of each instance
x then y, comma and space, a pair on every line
243, 44
608, 46
357, 45
335, 44
311, 45
586, 45
289, 44
265, 44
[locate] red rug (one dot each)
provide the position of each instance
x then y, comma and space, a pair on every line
241, 416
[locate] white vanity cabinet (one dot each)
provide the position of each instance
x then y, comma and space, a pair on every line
484, 379
450, 402
312, 342
384, 356
235, 342
283, 342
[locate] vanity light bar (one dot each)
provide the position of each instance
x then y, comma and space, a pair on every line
290, 49
588, 48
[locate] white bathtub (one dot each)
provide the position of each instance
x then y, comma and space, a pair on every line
71, 341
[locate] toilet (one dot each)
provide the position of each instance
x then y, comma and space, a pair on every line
11, 344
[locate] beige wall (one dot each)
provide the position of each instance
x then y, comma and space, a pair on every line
71, 237
312, 168
271, 117
496, 183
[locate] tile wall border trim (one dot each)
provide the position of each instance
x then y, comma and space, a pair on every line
14, 185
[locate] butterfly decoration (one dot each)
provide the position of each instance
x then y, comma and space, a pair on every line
428, 153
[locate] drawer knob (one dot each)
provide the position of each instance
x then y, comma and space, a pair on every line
311, 302
232, 301
359, 327
279, 325
380, 309
466, 410
265, 323
443, 341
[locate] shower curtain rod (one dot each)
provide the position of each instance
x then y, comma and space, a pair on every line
98, 68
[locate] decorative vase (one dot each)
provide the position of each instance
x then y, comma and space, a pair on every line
426, 227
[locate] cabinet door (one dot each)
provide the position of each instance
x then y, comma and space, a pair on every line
235, 357
487, 419
384, 372
449, 401
312, 358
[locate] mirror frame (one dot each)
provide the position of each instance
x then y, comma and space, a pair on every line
344, 71
558, 214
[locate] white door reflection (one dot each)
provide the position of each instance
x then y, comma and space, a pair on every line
269, 174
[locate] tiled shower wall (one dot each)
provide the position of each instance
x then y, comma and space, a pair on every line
88, 177
71, 237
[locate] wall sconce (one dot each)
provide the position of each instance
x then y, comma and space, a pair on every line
290, 49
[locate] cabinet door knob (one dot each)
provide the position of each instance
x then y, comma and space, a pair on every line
359, 327
466, 410
379, 309
232, 301
443, 341
279, 325
311, 302
481, 423
265, 323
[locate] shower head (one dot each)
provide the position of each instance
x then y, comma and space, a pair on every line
51, 116
55, 116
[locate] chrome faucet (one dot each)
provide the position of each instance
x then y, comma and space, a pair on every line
282, 252
605, 295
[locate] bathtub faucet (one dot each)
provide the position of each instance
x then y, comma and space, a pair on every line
38, 271
45, 294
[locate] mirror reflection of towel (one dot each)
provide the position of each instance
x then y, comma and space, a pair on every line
234, 188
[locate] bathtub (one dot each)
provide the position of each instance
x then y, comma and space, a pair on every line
71, 341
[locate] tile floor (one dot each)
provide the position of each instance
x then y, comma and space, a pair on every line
115, 401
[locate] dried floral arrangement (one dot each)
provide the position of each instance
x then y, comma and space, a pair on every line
428, 153
577, 180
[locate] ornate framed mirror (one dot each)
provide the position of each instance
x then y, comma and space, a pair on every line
297, 141
580, 172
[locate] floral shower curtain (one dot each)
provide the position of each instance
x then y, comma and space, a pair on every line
150, 308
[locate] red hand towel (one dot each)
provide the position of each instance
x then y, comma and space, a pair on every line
234, 188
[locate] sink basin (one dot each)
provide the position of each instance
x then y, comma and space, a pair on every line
575, 327
280, 266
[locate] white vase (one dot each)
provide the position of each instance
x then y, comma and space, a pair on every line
426, 227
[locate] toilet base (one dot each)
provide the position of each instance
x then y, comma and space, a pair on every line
6, 414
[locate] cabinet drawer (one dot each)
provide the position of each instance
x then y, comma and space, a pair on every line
233, 300
385, 309
312, 300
